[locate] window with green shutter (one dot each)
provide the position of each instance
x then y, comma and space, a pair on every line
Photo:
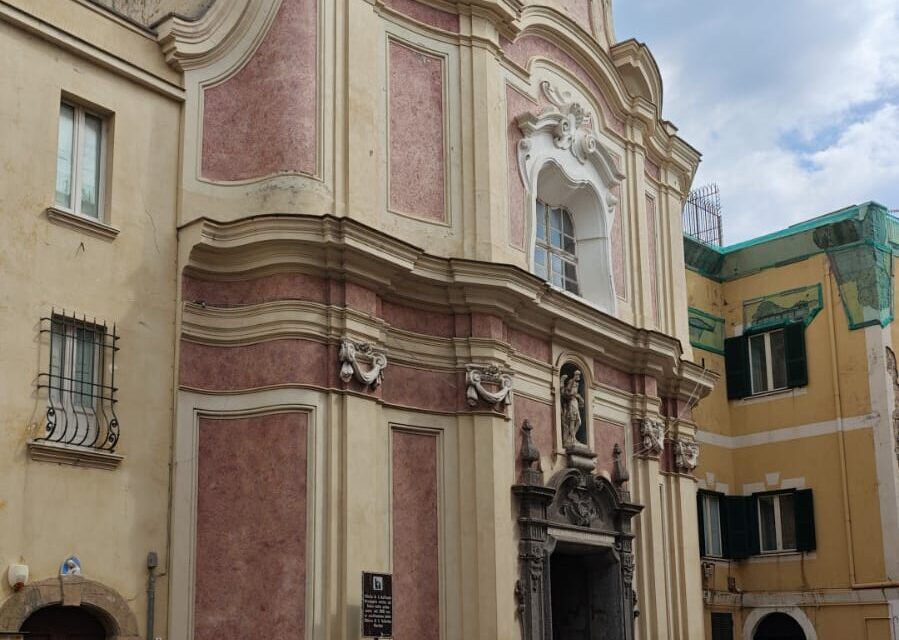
765, 361
722, 626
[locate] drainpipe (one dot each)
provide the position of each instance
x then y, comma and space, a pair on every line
838, 410
152, 563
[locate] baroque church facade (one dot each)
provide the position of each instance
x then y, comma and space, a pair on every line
415, 277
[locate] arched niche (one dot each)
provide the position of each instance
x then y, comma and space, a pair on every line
760, 622
104, 603
563, 164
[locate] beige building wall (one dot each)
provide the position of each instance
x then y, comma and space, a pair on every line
121, 272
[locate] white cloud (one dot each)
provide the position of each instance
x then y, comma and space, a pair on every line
795, 105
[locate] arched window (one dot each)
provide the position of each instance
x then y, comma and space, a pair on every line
555, 250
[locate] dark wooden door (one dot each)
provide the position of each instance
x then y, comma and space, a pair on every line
63, 623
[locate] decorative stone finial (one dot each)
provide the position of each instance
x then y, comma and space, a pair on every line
350, 355
620, 474
530, 458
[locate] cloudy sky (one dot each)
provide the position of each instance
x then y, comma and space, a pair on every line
793, 103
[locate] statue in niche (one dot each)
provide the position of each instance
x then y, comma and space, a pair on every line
572, 405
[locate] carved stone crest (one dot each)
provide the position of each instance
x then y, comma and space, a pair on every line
686, 455
477, 375
653, 433
353, 354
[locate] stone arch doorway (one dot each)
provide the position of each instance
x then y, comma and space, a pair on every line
63, 623
104, 604
778, 626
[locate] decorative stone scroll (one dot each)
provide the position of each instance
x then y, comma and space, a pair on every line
574, 505
686, 455
653, 433
352, 353
477, 375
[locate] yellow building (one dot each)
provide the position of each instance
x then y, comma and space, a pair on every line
799, 484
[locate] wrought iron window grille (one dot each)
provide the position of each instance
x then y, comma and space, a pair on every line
80, 382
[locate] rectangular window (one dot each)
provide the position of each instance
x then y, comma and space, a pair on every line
722, 626
80, 383
767, 361
80, 159
777, 522
711, 518
763, 362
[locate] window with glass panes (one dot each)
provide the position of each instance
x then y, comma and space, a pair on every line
777, 522
79, 160
555, 253
767, 361
711, 523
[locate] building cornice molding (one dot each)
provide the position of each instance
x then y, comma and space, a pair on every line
189, 43
79, 47
346, 249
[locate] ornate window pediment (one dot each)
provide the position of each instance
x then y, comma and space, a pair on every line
564, 165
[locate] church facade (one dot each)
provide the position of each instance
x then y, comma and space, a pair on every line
421, 276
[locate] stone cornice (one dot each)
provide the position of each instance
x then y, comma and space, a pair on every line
346, 249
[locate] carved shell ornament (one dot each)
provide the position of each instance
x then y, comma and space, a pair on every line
653, 434
351, 353
477, 375
686, 455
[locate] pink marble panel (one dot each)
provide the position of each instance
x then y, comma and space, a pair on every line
361, 298
605, 436
424, 388
666, 459
540, 415
646, 385
653, 170
427, 14
416, 574
653, 256
613, 377
516, 104
279, 286
417, 163
263, 119
530, 345
264, 364
462, 325
579, 11
485, 325
251, 528
530, 45
432, 323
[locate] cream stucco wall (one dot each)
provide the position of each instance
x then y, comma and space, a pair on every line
109, 518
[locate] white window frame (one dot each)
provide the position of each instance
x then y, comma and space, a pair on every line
778, 528
769, 366
65, 397
707, 532
552, 250
78, 125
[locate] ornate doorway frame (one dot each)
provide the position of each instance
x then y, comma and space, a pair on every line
578, 508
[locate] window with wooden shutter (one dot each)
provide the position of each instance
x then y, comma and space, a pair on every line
722, 626
737, 527
805, 520
736, 364
794, 351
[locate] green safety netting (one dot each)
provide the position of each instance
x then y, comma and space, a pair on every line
784, 307
860, 242
706, 331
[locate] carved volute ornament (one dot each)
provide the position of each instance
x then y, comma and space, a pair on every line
574, 505
652, 431
477, 375
353, 355
686, 455
894, 376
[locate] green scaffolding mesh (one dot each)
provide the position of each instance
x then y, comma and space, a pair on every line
706, 331
864, 276
784, 307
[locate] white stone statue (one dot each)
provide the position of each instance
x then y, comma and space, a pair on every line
572, 401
